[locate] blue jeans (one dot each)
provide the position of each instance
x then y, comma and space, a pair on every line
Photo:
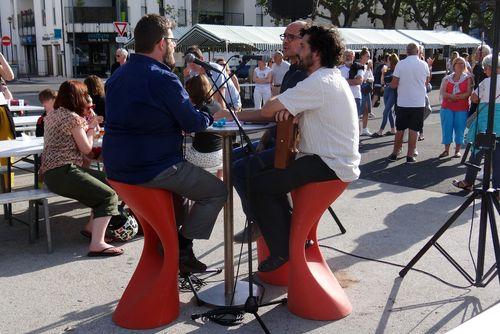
453, 123
366, 101
358, 106
389, 102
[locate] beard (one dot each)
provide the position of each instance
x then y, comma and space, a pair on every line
168, 58
306, 62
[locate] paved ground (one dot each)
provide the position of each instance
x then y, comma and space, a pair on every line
389, 214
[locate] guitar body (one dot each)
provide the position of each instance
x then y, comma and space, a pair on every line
286, 136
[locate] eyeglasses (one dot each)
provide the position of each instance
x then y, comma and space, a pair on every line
289, 37
173, 39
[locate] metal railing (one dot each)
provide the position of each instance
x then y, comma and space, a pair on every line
90, 14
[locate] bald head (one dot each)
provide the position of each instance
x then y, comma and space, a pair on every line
291, 42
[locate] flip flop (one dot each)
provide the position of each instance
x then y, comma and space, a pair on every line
462, 185
444, 154
105, 252
88, 235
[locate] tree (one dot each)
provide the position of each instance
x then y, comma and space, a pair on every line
392, 10
333, 10
428, 13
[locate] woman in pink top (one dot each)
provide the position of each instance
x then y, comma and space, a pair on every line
456, 89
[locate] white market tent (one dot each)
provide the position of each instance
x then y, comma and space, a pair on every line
432, 39
243, 38
223, 38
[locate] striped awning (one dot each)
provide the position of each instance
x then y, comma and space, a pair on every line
436, 39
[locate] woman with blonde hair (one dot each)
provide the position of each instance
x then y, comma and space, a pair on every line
390, 95
456, 89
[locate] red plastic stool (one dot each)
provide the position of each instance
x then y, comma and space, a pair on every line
276, 277
313, 291
151, 298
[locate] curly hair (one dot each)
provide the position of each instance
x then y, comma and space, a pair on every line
327, 41
72, 95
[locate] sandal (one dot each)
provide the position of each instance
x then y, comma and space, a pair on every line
110, 251
389, 133
376, 135
444, 154
462, 185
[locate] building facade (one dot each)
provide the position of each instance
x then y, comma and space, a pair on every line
76, 38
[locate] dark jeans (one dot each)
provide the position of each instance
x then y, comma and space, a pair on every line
269, 200
240, 173
389, 102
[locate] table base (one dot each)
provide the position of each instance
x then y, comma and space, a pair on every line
214, 295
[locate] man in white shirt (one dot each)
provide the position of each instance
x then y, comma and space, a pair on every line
410, 77
280, 67
328, 147
354, 78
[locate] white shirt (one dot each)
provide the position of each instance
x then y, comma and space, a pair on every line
3, 100
279, 72
232, 94
356, 89
412, 73
262, 74
483, 91
329, 121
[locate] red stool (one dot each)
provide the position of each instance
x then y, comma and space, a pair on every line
313, 291
275, 277
151, 298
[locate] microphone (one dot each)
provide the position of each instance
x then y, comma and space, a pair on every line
190, 58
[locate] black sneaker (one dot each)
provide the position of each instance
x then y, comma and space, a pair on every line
410, 160
272, 263
392, 157
241, 237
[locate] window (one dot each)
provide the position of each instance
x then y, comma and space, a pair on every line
144, 7
54, 12
44, 14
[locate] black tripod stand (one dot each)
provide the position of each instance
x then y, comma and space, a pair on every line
489, 201
251, 304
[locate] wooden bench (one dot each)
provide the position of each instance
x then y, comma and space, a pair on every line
32, 196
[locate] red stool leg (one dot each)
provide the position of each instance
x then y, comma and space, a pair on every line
276, 277
313, 291
151, 298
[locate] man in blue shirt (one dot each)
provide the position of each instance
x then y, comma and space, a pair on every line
147, 109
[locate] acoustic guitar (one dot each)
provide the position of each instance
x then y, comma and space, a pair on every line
286, 139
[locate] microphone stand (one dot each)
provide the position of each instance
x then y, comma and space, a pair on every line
252, 304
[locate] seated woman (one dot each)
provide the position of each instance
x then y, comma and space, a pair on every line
68, 137
206, 149
482, 96
96, 91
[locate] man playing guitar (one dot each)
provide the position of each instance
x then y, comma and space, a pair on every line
328, 148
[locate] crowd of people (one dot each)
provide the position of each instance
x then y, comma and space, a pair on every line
329, 92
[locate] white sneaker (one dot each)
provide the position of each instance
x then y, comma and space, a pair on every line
371, 115
415, 154
366, 132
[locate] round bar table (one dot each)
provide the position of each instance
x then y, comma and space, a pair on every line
222, 293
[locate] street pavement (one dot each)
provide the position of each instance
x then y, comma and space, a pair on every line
389, 214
